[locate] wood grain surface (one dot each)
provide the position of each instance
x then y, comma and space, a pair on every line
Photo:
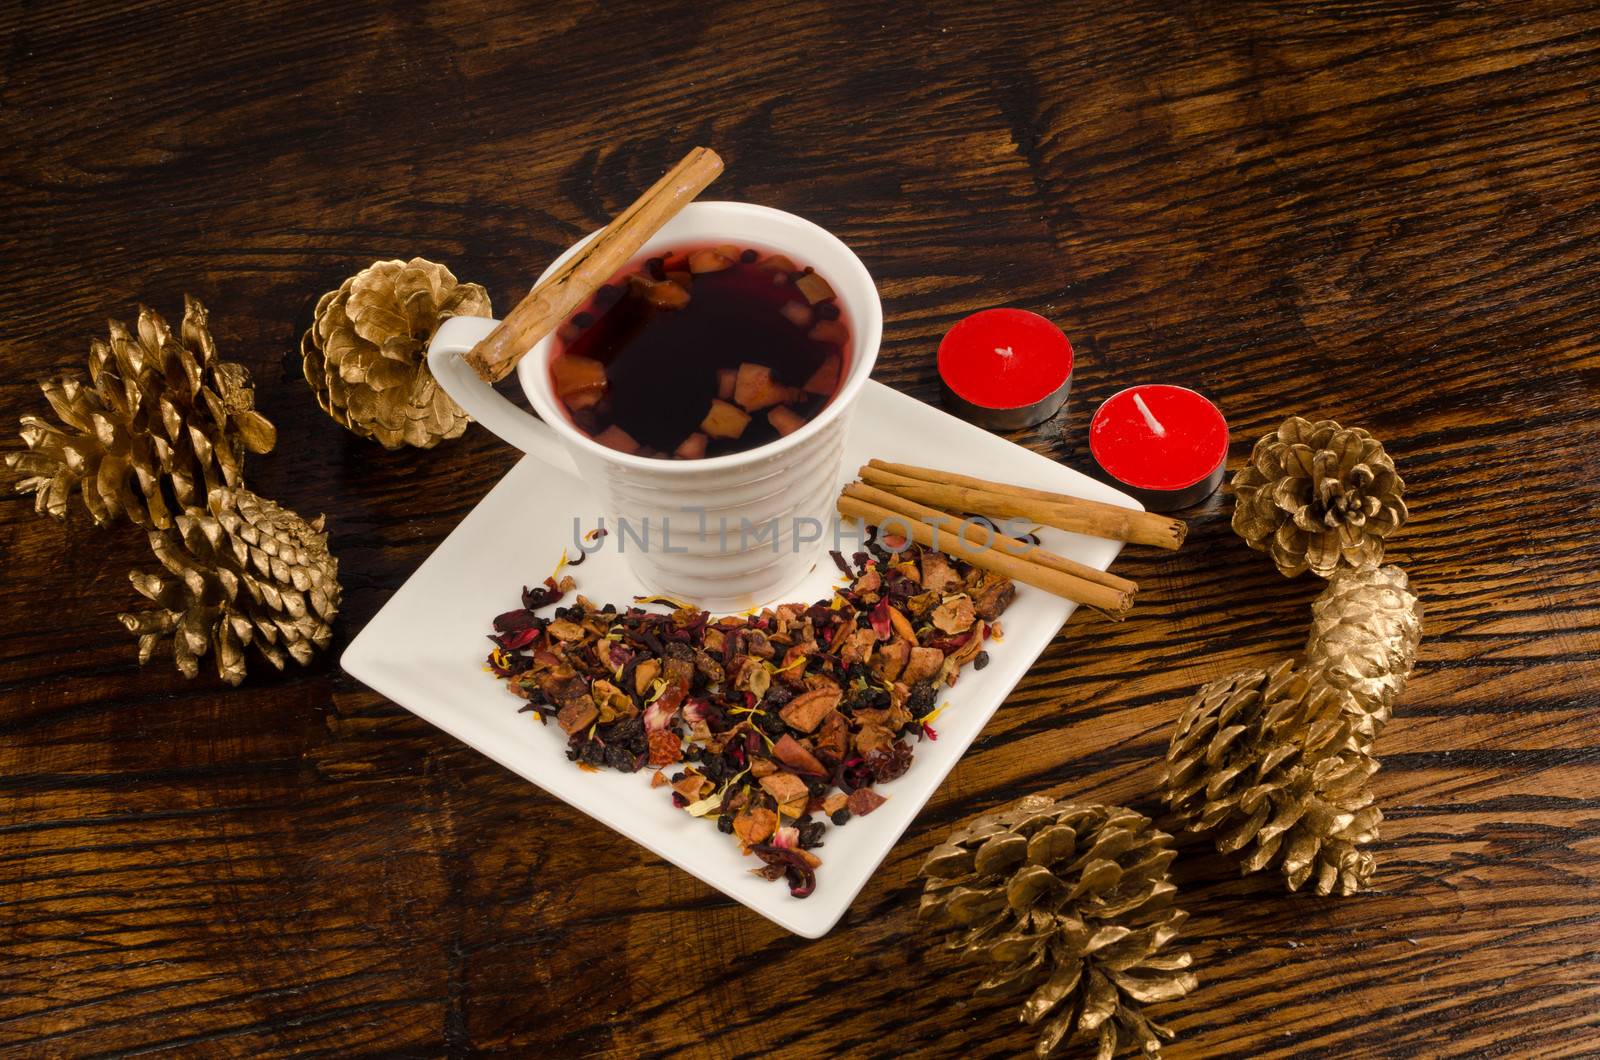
1385, 213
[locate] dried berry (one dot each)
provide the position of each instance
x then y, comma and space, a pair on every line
811, 834
621, 759
867, 697
889, 764
543, 595
591, 753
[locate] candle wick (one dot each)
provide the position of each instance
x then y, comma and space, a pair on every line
1149, 417
1004, 351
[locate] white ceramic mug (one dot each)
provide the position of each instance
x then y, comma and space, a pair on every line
726, 532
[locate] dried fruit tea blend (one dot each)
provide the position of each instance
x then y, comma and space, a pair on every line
773, 724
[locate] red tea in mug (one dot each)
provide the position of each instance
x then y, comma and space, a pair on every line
702, 351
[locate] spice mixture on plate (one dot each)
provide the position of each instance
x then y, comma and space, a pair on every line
771, 724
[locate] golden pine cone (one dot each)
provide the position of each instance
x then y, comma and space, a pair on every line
241, 572
366, 352
1365, 628
1317, 495
161, 422
1268, 764
1073, 902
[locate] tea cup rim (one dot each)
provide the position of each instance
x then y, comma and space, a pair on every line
855, 288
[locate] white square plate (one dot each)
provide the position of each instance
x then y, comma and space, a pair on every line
425, 650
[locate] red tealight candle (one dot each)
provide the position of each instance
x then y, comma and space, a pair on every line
1005, 368
1165, 445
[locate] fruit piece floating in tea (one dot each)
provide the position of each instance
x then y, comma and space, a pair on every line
702, 352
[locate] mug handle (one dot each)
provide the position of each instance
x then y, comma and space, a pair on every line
482, 401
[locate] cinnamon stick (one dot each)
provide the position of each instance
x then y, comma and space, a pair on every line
962, 493
1058, 583
570, 286
948, 524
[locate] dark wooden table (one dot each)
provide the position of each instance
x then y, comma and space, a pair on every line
1388, 214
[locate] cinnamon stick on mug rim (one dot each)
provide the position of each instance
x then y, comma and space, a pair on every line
963, 493
949, 524
543, 309
1055, 582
